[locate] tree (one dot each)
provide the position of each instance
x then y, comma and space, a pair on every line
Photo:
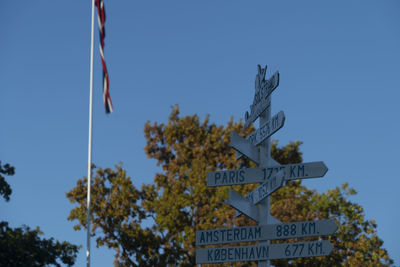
23, 246
5, 188
155, 226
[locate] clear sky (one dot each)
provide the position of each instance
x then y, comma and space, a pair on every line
339, 65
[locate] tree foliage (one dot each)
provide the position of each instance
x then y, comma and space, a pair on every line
5, 188
155, 226
23, 247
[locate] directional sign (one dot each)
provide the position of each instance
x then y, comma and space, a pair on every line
245, 147
247, 205
265, 189
268, 187
265, 232
263, 88
259, 175
265, 131
243, 205
263, 252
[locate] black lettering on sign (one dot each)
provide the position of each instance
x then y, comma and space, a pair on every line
301, 250
230, 253
216, 254
223, 254
208, 236
251, 256
236, 234
318, 246
293, 229
250, 236
225, 178
292, 174
244, 255
241, 175
311, 228
304, 228
243, 234
217, 176
310, 248
267, 173
237, 253
296, 246
231, 176
209, 255
300, 171
223, 235
216, 236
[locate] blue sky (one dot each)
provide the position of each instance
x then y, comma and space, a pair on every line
339, 87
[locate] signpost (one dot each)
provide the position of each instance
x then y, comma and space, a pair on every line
258, 175
261, 97
246, 205
267, 188
264, 252
244, 146
255, 205
243, 205
265, 232
265, 131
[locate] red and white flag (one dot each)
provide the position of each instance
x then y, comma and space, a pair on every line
106, 81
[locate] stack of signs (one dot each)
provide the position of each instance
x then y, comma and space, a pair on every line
271, 177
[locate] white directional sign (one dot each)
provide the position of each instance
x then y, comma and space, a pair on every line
259, 175
243, 205
268, 187
263, 88
247, 205
265, 232
263, 252
245, 147
265, 131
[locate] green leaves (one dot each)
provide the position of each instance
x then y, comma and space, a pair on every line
23, 246
5, 189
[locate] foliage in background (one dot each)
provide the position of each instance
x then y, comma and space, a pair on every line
23, 246
155, 226
5, 188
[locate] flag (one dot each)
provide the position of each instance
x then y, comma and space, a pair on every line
106, 81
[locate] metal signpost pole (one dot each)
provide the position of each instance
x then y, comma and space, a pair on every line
265, 154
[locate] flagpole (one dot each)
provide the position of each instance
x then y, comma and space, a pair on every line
90, 141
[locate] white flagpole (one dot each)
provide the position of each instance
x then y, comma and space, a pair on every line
90, 142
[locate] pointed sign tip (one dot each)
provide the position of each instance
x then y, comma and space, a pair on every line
325, 168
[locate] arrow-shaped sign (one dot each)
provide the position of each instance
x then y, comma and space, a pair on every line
265, 131
266, 232
245, 147
265, 189
263, 89
261, 174
263, 252
246, 206
270, 220
268, 187
243, 205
